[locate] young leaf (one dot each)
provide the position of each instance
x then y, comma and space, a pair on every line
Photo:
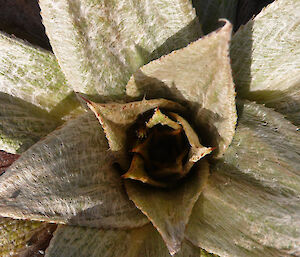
116, 118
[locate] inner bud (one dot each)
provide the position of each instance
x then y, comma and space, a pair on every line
164, 148
163, 151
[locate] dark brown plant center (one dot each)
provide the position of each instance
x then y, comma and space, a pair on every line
163, 150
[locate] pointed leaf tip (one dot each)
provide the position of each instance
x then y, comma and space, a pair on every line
169, 209
116, 118
71, 241
160, 118
199, 77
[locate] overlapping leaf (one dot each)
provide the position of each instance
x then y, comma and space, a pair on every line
169, 209
115, 118
33, 94
33, 75
145, 241
22, 124
99, 44
265, 58
199, 77
68, 178
251, 205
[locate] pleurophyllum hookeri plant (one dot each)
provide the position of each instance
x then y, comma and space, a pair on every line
172, 167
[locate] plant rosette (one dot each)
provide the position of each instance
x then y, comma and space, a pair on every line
166, 160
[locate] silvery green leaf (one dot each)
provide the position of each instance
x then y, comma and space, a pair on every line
33, 94
141, 242
33, 75
199, 77
265, 58
169, 210
68, 177
251, 205
22, 124
99, 44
